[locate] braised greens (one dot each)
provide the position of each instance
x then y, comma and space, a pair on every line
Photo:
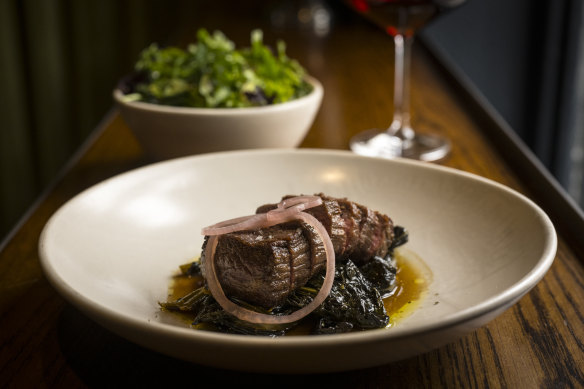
212, 73
353, 302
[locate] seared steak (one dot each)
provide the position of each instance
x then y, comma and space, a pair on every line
357, 232
263, 266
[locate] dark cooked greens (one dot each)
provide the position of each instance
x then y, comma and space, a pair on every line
212, 73
354, 303
208, 312
381, 273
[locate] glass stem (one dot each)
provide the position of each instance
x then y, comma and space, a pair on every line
400, 125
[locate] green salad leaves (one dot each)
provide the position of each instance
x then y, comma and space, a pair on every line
212, 73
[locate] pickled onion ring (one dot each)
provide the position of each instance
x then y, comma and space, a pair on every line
291, 206
287, 210
275, 216
237, 224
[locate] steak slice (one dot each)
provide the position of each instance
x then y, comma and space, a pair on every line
351, 215
357, 232
329, 214
263, 266
375, 236
368, 232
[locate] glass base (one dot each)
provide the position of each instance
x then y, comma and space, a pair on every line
376, 143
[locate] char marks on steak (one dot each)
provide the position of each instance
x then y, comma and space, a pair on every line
357, 232
263, 266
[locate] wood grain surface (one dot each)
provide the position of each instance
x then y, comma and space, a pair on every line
538, 343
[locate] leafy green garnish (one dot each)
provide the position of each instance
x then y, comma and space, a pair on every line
213, 73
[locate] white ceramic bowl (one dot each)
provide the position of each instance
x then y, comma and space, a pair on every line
111, 251
168, 132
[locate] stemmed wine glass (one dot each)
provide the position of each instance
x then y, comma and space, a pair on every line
401, 19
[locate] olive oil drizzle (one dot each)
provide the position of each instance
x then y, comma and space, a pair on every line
412, 281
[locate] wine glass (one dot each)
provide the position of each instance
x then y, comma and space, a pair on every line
401, 19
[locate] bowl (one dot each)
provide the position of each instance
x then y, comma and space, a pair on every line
168, 132
112, 250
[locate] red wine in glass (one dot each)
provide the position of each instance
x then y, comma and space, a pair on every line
401, 19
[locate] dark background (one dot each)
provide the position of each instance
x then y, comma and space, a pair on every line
60, 59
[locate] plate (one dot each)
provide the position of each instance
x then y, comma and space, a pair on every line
112, 249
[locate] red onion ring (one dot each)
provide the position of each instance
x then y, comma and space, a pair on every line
292, 206
287, 210
237, 224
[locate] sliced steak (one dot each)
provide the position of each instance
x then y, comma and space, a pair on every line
356, 231
263, 266
329, 214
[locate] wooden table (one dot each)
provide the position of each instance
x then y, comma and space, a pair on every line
45, 342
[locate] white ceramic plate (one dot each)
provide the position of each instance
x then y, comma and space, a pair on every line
112, 249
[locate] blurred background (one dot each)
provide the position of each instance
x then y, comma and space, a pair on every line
60, 60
